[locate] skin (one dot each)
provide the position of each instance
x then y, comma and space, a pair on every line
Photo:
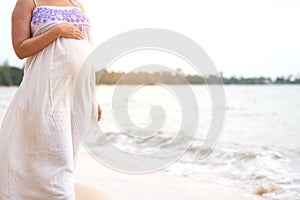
25, 46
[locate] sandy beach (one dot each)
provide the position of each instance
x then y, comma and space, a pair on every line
97, 182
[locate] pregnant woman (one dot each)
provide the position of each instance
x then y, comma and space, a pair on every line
39, 139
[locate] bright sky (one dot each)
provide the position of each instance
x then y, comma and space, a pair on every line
249, 38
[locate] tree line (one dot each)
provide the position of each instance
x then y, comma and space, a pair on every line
167, 77
12, 76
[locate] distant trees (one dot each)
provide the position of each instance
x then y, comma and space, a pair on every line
290, 79
106, 77
248, 81
10, 75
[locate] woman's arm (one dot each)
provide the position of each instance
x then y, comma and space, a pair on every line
25, 46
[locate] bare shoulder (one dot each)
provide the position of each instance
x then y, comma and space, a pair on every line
23, 9
79, 5
20, 20
25, 4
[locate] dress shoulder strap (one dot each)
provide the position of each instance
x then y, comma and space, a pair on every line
35, 3
73, 2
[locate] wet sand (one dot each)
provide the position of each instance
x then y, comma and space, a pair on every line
96, 182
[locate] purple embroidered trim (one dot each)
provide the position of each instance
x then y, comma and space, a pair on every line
44, 14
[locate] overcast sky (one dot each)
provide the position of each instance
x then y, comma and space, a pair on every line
248, 38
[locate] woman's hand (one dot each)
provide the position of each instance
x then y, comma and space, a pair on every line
68, 30
99, 112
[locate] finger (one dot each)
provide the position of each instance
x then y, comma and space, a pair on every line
99, 112
99, 116
80, 37
79, 34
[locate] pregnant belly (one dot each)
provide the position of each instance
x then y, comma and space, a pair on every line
68, 58
71, 52
50, 75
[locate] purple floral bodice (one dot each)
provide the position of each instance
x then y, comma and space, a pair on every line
44, 17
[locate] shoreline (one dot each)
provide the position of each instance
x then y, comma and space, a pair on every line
93, 180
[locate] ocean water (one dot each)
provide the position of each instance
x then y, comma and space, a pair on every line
259, 148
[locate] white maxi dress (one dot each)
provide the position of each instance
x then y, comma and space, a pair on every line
39, 141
